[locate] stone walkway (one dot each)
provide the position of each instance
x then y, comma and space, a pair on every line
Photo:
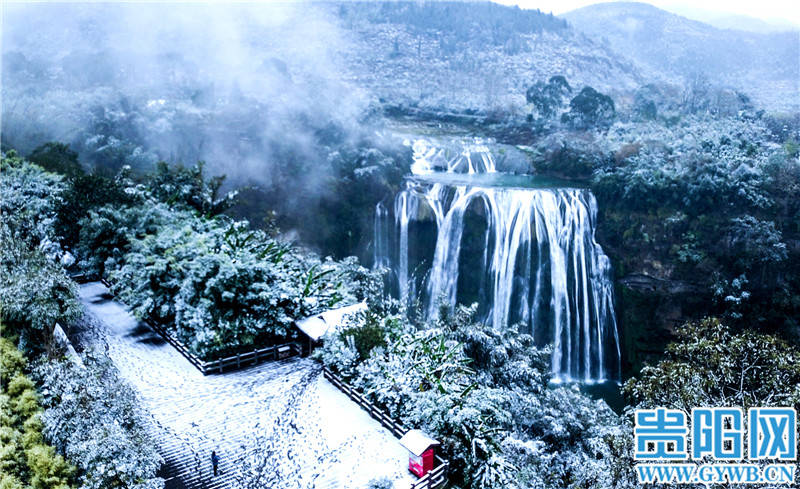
277, 424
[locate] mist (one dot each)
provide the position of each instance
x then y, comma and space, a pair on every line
243, 87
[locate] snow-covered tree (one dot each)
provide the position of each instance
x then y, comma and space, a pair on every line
94, 418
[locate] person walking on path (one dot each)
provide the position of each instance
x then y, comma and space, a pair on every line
214, 461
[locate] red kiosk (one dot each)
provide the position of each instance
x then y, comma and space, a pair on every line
421, 446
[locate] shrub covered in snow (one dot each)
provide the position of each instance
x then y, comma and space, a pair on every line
36, 293
28, 200
93, 417
485, 396
220, 285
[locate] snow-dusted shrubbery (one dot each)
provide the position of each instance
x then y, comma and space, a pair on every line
485, 396
702, 164
36, 293
703, 199
29, 197
220, 285
90, 416
93, 417
223, 286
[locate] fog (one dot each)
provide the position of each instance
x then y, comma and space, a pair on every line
239, 86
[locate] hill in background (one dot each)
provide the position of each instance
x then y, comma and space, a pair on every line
766, 66
471, 55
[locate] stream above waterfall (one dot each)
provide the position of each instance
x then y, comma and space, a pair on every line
520, 246
496, 179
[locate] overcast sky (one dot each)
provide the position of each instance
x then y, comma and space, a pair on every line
776, 12
768, 10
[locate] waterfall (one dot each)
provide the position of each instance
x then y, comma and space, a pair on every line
471, 158
539, 267
380, 241
405, 206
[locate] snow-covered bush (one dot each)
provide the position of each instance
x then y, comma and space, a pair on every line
106, 233
189, 187
702, 164
220, 285
93, 417
28, 199
36, 293
485, 396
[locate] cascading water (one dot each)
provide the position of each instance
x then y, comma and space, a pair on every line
540, 265
380, 241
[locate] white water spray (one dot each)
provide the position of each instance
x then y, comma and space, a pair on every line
541, 265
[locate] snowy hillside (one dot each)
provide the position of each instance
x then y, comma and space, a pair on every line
765, 66
462, 56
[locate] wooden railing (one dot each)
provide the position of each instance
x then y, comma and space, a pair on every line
253, 357
233, 362
433, 479
83, 278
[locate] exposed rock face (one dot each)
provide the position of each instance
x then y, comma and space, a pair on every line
645, 283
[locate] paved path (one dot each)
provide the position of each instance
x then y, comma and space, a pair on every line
277, 424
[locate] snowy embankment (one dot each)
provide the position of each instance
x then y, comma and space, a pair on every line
275, 423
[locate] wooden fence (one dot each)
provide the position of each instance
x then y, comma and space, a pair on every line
433, 479
233, 362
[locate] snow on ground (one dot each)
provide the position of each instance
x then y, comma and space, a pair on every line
274, 423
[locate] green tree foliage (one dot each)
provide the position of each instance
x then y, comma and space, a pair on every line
57, 158
335, 215
83, 194
570, 160
753, 242
367, 335
362, 177
189, 187
711, 365
26, 461
589, 108
548, 98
